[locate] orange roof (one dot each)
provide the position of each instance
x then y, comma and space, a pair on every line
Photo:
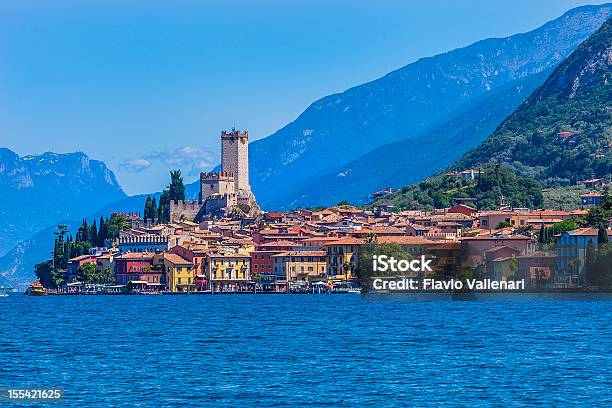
136, 255
176, 259
404, 240
345, 241
301, 253
278, 243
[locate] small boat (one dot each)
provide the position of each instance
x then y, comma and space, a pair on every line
36, 289
354, 290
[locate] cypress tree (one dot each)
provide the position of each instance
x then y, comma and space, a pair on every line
541, 237
176, 188
164, 207
602, 235
94, 233
147, 208
153, 209
102, 232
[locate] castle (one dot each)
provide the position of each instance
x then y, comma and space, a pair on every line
226, 192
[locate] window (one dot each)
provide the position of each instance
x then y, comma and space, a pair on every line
179, 280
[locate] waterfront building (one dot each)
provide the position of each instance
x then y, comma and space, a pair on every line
343, 257
228, 271
262, 262
300, 265
179, 273
136, 268
474, 248
571, 254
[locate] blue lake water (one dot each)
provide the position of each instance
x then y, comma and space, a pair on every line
279, 350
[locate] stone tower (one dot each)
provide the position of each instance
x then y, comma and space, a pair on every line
235, 157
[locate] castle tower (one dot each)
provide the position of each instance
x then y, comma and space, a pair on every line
235, 157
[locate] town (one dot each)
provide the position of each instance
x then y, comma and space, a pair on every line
223, 243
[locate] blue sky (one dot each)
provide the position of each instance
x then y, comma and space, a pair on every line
146, 86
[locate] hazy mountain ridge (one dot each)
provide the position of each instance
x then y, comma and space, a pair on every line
399, 163
340, 128
38, 190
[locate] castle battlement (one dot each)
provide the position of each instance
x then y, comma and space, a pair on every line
234, 134
143, 239
222, 175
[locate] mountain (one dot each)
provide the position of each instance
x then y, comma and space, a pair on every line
399, 163
340, 128
17, 265
561, 134
39, 190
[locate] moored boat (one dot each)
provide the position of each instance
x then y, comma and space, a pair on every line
36, 289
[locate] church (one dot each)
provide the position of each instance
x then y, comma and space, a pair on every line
223, 193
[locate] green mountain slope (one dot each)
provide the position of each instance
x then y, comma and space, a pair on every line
563, 131
561, 134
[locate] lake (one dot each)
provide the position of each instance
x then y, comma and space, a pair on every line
307, 350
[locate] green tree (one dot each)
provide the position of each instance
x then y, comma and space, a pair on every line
176, 189
164, 207
503, 224
93, 235
88, 273
343, 202
60, 258
147, 208
103, 232
542, 234
108, 276
602, 235
154, 213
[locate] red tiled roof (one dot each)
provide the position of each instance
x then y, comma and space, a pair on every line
345, 241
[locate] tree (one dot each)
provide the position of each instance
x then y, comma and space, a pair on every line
60, 257
176, 189
589, 264
371, 238
343, 202
102, 232
164, 207
542, 234
503, 224
154, 214
602, 235
147, 208
88, 273
93, 237
108, 276
48, 276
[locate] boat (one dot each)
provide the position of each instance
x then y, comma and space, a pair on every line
36, 289
354, 290
4, 291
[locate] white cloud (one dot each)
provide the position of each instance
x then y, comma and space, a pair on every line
134, 165
190, 159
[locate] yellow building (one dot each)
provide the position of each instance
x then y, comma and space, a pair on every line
300, 265
228, 271
343, 257
179, 273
